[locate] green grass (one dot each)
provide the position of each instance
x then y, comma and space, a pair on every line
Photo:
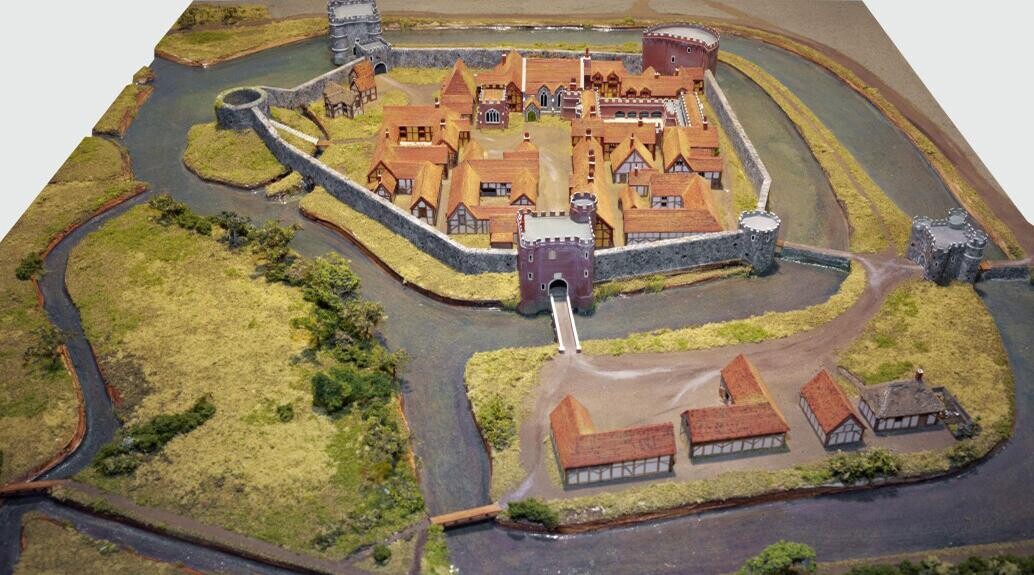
948, 332
198, 14
207, 46
364, 125
140, 286
38, 412
94, 160
401, 558
744, 196
233, 157
657, 283
296, 120
435, 560
52, 547
510, 376
875, 220
351, 159
414, 265
120, 114
420, 76
289, 185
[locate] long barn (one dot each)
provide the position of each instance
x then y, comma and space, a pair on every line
587, 456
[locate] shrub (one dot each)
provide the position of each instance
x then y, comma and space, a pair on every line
868, 464
782, 558
534, 511
330, 393
381, 553
497, 422
343, 385
271, 241
44, 351
285, 412
239, 229
127, 451
30, 267
962, 453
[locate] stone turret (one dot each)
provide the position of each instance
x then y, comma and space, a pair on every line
355, 30
948, 249
760, 230
583, 207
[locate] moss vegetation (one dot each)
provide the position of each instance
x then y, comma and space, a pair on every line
246, 339
38, 411
744, 196
435, 559
414, 265
658, 283
206, 45
875, 220
233, 157
52, 547
419, 76
120, 114
393, 559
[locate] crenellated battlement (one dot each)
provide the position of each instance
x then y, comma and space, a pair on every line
949, 248
671, 31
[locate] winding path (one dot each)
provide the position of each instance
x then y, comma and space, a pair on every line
977, 507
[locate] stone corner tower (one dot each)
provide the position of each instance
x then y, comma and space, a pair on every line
355, 31
760, 230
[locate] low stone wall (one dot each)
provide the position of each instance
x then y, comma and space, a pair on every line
489, 57
459, 257
668, 255
756, 171
309, 91
815, 256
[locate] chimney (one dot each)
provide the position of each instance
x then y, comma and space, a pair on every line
590, 178
380, 177
436, 103
588, 132
387, 134
640, 123
527, 137
656, 75
919, 374
635, 171
587, 52
631, 138
705, 123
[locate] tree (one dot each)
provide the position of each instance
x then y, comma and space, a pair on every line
30, 267
271, 241
239, 229
381, 553
330, 392
328, 281
44, 350
782, 558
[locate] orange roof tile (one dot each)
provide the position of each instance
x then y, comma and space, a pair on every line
427, 185
552, 73
579, 445
616, 132
624, 150
743, 381
828, 402
667, 220
712, 424
364, 76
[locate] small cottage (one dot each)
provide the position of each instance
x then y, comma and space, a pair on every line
588, 456
829, 412
339, 101
361, 80
898, 405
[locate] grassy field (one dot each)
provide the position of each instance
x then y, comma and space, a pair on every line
120, 114
499, 382
51, 547
420, 76
233, 157
657, 283
875, 220
174, 316
948, 332
364, 125
401, 558
38, 412
435, 560
298, 121
210, 45
414, 265
744, 196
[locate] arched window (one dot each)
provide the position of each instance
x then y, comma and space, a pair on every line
644, 114
492, 116
544, 99
655, 114
619, 114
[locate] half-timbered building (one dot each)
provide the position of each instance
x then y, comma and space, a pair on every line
630, 155
427, 192
900, 405
829, 412
362, 81
585, 455
749, 421
339, 101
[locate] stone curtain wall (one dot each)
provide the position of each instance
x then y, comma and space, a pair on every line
489, 57
757, 173
310, 91
461, 258
668, 255
815, 256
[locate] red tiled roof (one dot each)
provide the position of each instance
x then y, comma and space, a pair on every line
726, 423
827, 401
669, 220
552, 73
744, 382
579, 445
364, 76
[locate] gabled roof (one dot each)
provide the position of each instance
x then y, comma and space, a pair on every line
694, 190
616, 132
459, 82
743, 381
404, 161
606, 68
506, 72
902, 398
623, 151
685, 142
364, 76
467, 177
828, 402
580, 154
659, 86
472, 151
630, 200
386, 179
727, 423
552, 73
668, 220
578, 444
335, 93
427, 185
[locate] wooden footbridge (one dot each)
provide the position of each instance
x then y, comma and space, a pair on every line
467, 516
563, 321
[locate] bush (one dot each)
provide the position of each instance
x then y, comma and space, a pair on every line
30, 267
343, 385
44, 352
381, 553
239, 229
271, 241
782, 558
329, 392
497, 422
128, 450
868, 465
285, 412
535, 511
